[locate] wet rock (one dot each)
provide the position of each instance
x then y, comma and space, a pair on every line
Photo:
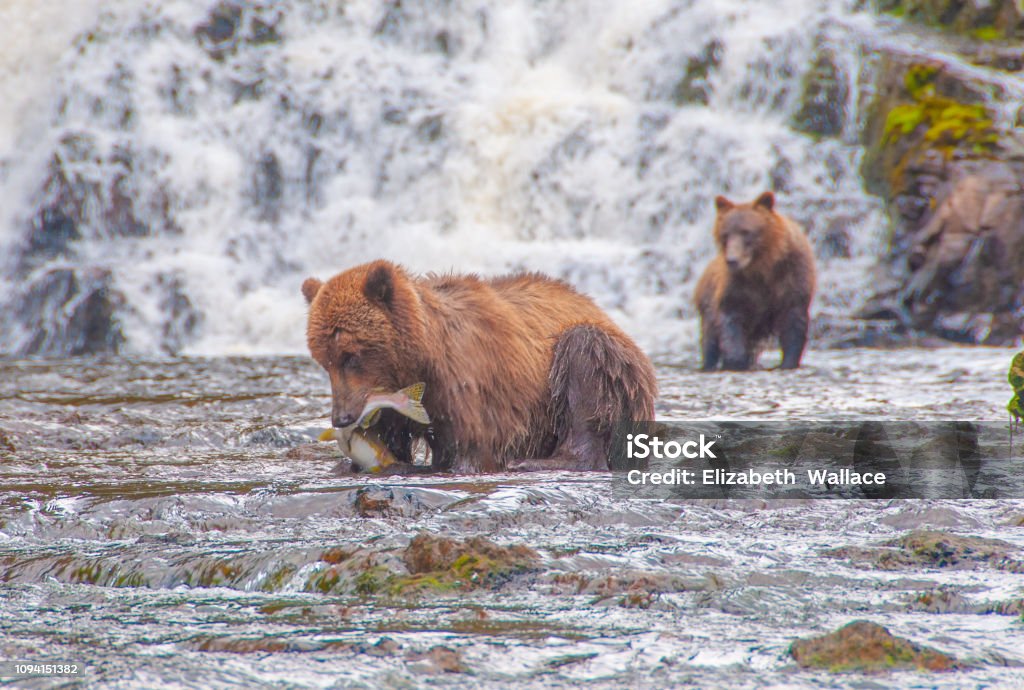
942, 601
824, 98
70, 312
863, 646
472, 563
6, 444
232, 24
373, 502
934, 549
437, 660
695, 85
181, 318
383, 647
1016, 378
955, 192
315, 452
996, 19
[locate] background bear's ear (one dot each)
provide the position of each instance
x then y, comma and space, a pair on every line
766, 201
723, 204
380, 285
310, 286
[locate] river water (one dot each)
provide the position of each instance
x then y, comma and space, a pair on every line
167, 523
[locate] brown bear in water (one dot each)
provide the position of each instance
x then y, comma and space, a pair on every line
760, 284
521, 371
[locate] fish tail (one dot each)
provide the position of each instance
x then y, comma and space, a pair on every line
416, 411
326, 436
414, 392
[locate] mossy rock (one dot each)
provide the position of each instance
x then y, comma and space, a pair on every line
922, 112
824, 98
434, 565
984, 21
442, 564
1016, 379
934, 549
866, 647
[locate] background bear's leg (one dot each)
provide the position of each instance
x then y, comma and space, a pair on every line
736, 351
710, 350
598, 380
793, 337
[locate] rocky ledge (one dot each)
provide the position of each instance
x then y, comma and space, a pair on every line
943, 148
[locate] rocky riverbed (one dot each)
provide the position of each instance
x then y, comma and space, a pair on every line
172, 522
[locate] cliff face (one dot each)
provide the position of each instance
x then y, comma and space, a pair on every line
943, 148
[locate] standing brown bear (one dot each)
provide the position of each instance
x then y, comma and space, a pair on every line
759, 285
521, 371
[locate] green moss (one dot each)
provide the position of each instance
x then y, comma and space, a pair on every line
948, 124
933, 122
987, 33
275, 581
1016, 378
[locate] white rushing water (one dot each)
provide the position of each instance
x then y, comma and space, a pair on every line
217, 163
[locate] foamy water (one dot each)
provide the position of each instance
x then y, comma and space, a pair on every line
214, 161
477, 136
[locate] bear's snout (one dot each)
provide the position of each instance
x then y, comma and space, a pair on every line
342, 419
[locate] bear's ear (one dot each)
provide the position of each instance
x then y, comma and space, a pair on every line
311, 286
766, 201
723, 204
380, 285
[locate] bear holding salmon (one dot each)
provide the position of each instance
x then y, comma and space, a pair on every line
521, 371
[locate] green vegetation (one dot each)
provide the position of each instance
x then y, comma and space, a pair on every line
947, 124
1016, 378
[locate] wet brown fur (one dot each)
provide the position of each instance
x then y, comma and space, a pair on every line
521, 371
766, 292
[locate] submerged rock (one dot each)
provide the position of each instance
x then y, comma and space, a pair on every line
444, 562
934, 549
868, 648
438, 660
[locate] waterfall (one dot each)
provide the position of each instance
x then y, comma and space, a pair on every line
172, 169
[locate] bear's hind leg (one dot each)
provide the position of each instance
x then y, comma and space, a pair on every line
598, 380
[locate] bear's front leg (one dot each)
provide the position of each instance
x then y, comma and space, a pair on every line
793, 336
736, 351
710, 350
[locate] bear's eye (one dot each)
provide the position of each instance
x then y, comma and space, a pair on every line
349, 360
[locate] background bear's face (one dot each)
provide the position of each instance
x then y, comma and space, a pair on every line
351, 335
739, 234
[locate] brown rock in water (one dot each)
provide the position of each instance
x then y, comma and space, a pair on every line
868, 648
427, 554
934, 549
439, 660
6, 444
